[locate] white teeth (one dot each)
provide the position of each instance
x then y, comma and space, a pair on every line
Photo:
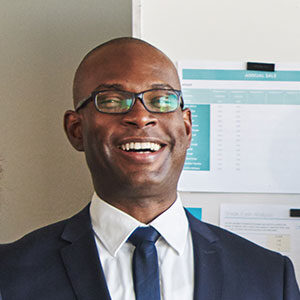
147, 146
156, 147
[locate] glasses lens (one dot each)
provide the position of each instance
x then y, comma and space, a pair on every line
161, 100
113, 101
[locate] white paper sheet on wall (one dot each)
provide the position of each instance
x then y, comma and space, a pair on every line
269, 226
246, 128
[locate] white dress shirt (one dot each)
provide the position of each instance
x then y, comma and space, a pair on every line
112, 227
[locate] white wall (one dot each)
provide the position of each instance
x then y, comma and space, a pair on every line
232, 30
43, 179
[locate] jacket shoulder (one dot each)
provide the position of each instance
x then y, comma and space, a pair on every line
34, 241
242, 262
33, 265
37, 243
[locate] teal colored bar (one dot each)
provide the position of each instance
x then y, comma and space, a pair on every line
292, 98
203, 74
257, 97
195, 211
276, 97
238, 96
221, 96
198, 155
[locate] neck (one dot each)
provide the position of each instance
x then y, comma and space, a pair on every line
142, 208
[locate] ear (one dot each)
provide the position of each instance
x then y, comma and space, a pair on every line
73, 129
187, 118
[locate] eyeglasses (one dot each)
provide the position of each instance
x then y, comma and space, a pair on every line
118, 102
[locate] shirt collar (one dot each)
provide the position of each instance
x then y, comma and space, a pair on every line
113, 226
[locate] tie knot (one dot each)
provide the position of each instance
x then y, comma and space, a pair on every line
142, 234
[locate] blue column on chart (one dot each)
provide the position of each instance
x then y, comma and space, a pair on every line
198, 155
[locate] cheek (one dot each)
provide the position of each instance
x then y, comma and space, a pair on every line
180, 137
92, 141
90, 148
94, 129
99, 144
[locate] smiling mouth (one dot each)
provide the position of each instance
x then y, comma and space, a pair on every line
140, 147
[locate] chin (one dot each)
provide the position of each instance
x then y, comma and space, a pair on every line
150, 182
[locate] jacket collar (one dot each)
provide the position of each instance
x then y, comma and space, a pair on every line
208, 269
81, 259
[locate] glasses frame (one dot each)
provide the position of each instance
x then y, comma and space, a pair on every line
134, 96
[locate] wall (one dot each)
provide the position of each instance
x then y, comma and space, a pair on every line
43, 179
232, 30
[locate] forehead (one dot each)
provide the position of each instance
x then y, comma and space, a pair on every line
134, 66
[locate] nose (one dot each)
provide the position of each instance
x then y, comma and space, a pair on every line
139, 116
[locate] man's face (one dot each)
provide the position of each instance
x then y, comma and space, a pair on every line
106, 137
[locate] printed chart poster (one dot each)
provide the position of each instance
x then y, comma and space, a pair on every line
246, 128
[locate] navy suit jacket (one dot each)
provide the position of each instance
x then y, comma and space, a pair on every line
61, 262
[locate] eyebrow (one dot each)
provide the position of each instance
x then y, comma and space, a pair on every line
117, 86
162, 86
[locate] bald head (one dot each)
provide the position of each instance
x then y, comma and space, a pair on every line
122, 56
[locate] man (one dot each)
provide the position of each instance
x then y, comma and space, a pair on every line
130, 122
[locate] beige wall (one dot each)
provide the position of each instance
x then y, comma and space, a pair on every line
43, 179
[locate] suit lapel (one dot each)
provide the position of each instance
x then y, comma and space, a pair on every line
207, 262
81, 259
84, 269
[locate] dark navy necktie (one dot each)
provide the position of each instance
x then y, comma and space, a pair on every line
145, 264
